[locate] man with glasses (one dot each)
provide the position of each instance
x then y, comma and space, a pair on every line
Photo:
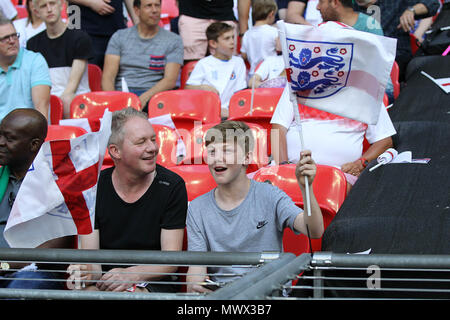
24, 75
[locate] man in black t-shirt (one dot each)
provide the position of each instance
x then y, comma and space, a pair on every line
66, 51
140, 206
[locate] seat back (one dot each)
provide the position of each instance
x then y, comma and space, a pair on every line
265, 101
95, 77
329, 186
186, 106
186, 72
93, 104
56, 109
196, 150
198, 179
395, 73
57, 132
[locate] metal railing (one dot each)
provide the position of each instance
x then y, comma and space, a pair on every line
273, 276
61, 258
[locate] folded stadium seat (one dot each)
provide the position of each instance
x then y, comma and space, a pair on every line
196, 151
56, 109
330, 187
265, 101
186, 106
394, 77
186, 72
95, 77
93, 104
56, 132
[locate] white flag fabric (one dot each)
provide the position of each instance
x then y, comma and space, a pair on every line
337, 69
57, 196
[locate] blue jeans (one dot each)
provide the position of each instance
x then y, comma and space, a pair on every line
34, 280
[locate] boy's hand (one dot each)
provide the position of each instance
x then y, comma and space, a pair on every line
305, 167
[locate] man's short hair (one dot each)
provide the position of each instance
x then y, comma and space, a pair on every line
4, 20
216, 29
119, 118
231, 132
262, 8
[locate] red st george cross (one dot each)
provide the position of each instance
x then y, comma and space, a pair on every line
72, 183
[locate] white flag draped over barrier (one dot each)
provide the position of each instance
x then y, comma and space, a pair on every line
338, 69
57, 196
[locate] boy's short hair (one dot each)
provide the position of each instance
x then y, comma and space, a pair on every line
216, 29
119, 118
231, 132
262, 8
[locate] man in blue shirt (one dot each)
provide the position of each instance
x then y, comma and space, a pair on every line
24, 77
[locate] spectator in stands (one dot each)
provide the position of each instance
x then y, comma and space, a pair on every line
100, 19
242, 215
148, 57
197, 15
66, 51
22, 132
342, 11
398, 19
29, 26
222, 72
334, 140
296, 11
140, 206
261, 40
24, 76
8, 10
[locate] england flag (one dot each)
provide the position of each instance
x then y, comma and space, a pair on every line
57, 196
337, 69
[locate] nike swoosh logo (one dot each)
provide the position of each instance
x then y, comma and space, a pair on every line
261, 224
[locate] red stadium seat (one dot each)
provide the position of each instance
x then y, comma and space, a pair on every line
95, 77
56, 132
21, 11
166, 139
93, 104
186, 72
265, 101
198, 179
196, 151
394, 77
413, 43
56, 109
186, 106
330, 187
170, 8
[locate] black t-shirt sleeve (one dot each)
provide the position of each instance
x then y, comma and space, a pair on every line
175, 214
83, 47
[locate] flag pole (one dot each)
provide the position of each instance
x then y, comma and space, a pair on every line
293, 99
252, 95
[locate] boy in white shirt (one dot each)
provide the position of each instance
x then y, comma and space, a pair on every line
261, 40
222, 72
